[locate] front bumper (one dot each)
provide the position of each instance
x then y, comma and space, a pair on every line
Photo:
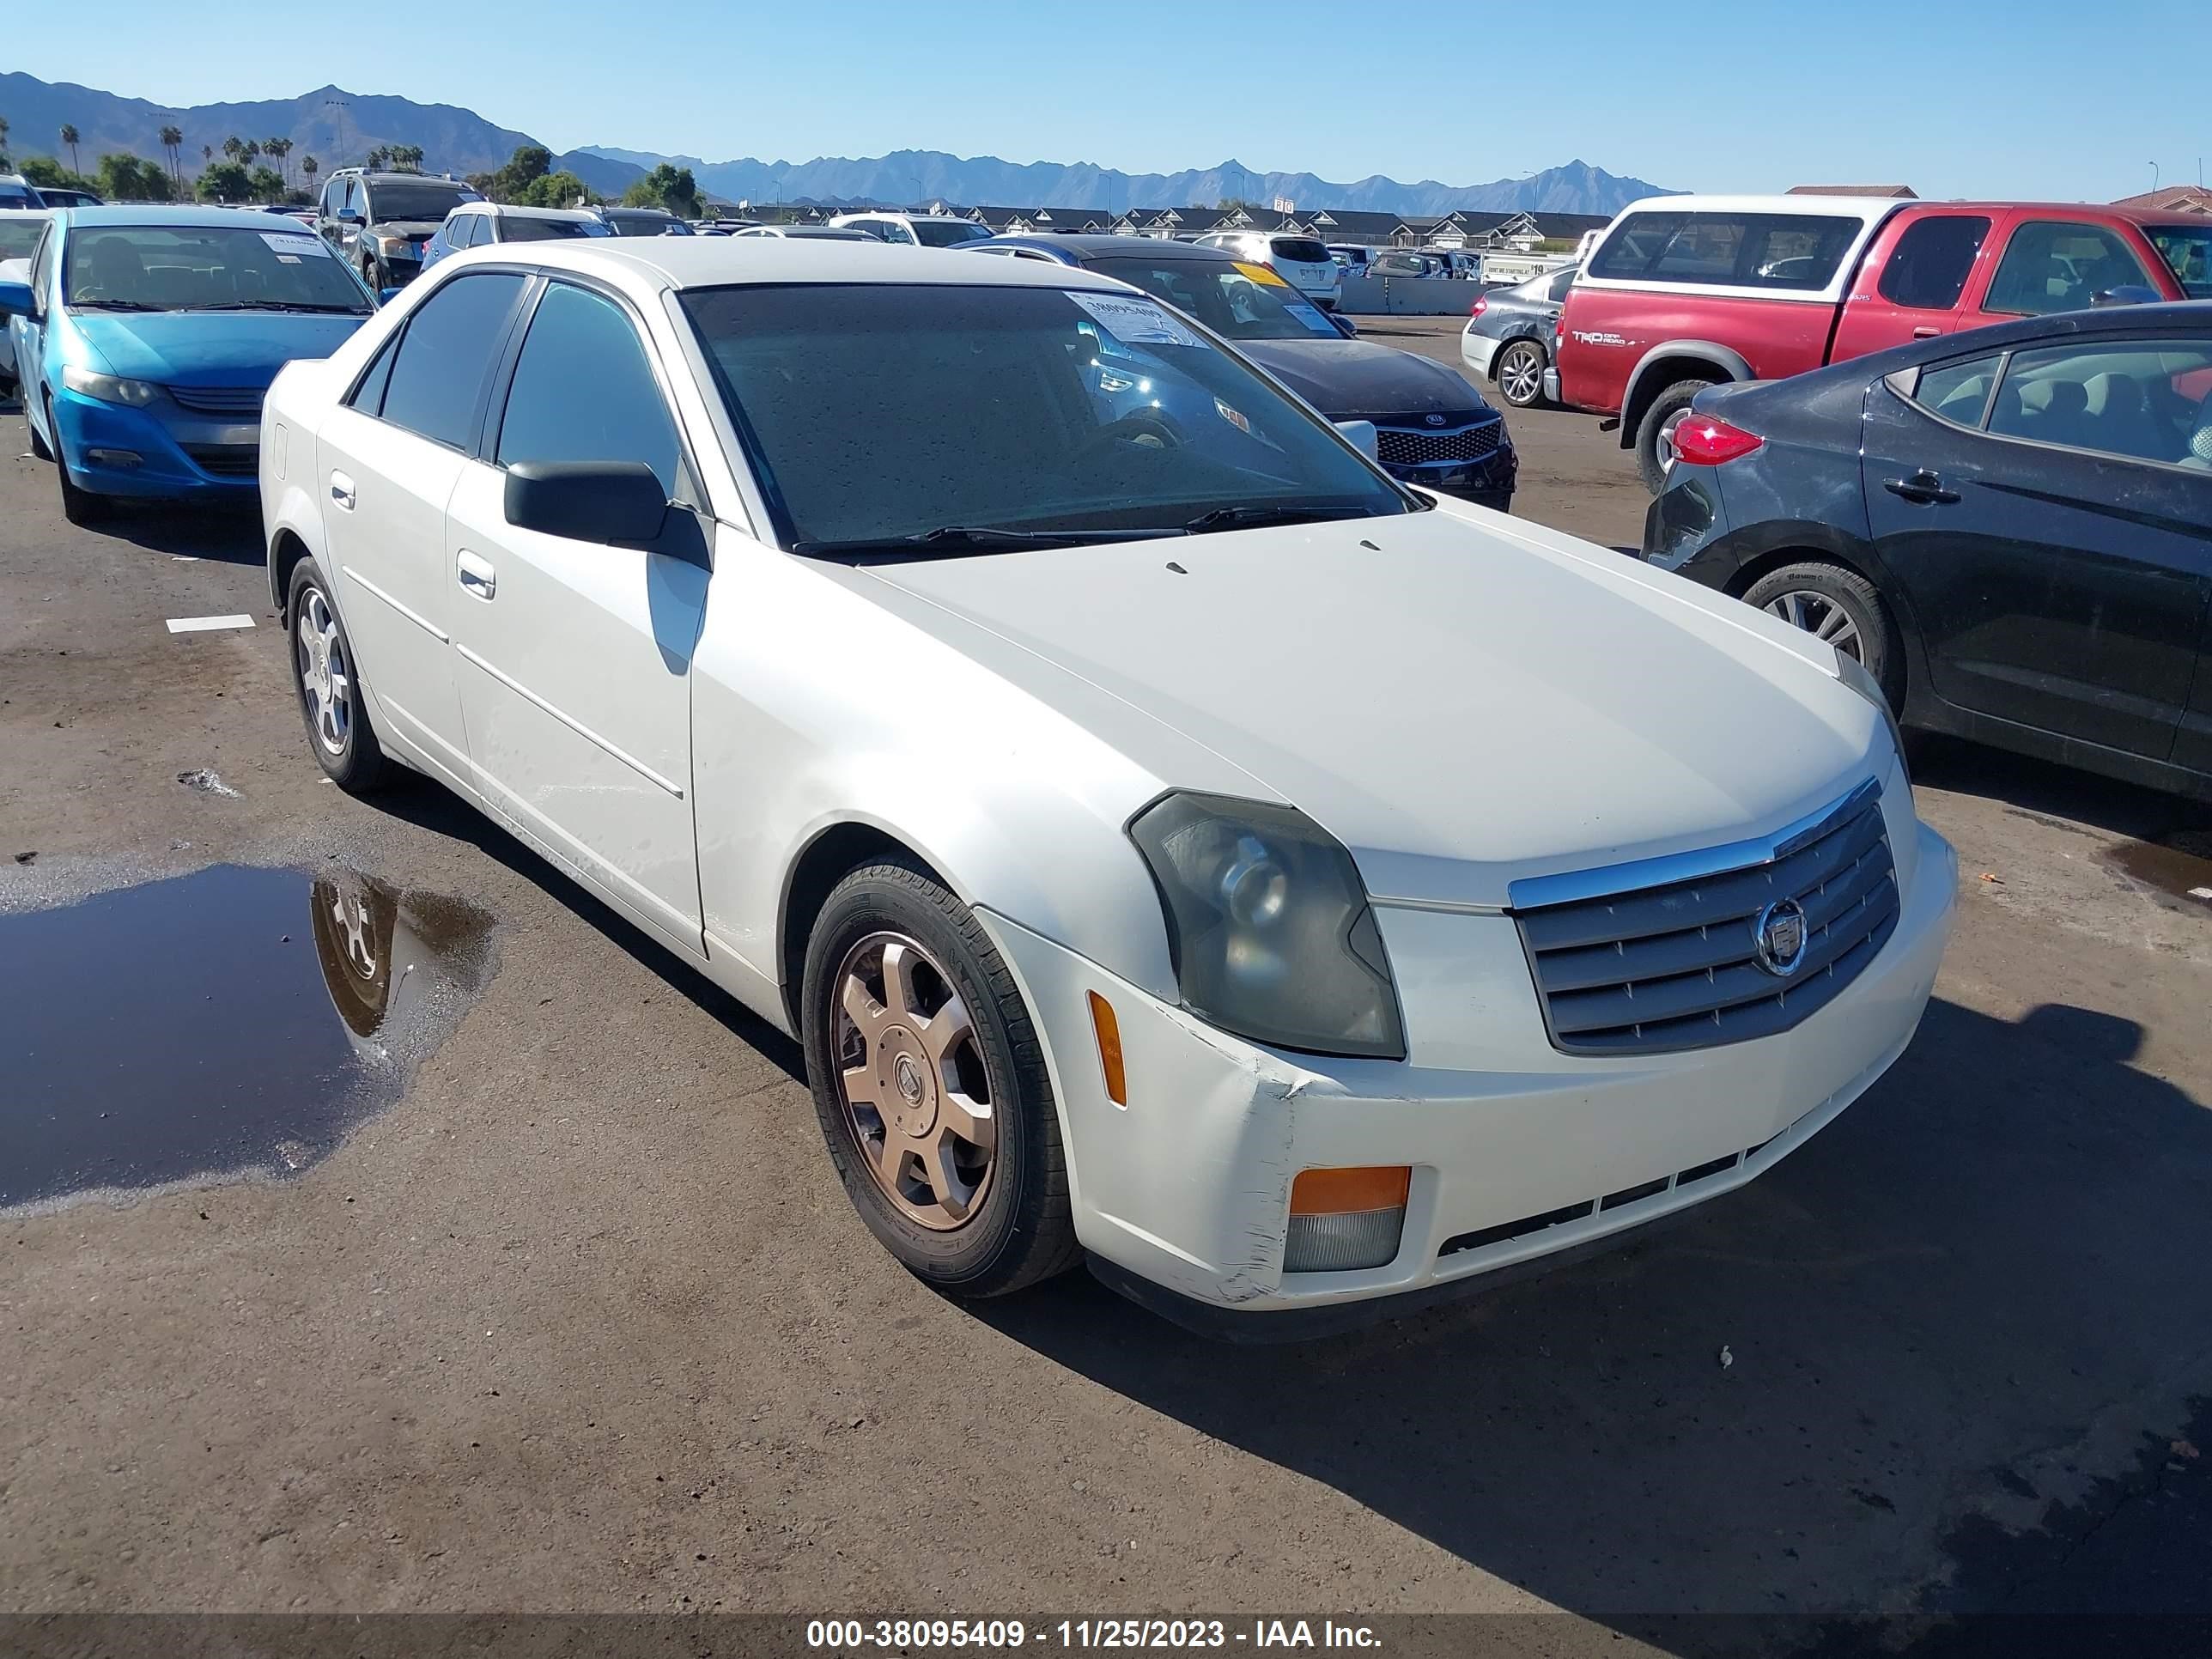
1518, 1152
94, 435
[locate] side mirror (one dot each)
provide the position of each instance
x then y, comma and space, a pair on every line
1343, 324
606, 501
16, 300
384, 297
348, 216
1360, 435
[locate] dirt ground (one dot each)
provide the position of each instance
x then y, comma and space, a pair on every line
578, 1319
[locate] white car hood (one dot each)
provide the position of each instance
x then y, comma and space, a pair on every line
1460, 699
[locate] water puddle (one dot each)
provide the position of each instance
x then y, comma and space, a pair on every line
2181, 869
232, 1022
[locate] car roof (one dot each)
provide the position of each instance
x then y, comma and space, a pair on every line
1870, 208
688, 262
1088, 244
28, 213
152, 216
520, 211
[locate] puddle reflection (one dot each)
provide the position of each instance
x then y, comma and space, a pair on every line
233, 1021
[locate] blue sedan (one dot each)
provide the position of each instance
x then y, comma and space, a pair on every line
146, 337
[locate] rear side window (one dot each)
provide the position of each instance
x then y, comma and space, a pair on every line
2052, 265
1780, 251
584, 392
1958, 391
1928, 269
439, 370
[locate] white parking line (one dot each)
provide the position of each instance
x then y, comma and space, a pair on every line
200, 624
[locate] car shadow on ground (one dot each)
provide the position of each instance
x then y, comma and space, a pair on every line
430, 806
1859, 1383
2060, 795
226, 535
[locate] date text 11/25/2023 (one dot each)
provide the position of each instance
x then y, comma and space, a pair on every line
986, 1634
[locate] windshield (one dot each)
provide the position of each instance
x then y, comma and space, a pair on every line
205, 268
2187, 251
427, 199
521, 228
936, 233
642, 222
19, 238
875, 412
1238, 301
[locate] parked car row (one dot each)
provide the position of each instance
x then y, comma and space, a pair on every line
991, 677
17, 192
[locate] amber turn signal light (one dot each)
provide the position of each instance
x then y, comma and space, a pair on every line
1109, 1031
1348, 1192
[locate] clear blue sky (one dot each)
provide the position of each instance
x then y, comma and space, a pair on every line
2032, 98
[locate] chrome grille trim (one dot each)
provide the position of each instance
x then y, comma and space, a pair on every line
1661, 955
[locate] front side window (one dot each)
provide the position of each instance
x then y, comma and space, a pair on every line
1780, 251
205, 268
584, 391
2147, 400
2187, 251
1928, 269
440, 366
19, 238
1220, 296
2050, 265
875, 413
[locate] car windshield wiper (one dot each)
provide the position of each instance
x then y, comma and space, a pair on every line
114, 305
282, 305
1249, 516
972, 538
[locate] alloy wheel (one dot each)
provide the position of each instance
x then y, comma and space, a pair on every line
1521, 376
1820, 616
911, 1077
325, 674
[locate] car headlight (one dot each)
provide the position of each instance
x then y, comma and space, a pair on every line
1269, 928
109, 388
1853, 672
395, 245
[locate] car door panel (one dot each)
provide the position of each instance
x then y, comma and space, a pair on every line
2057, 588
1912, 281
575, 662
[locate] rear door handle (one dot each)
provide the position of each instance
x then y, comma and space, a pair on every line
476, 576
1925, 332
1924, 487
341, 491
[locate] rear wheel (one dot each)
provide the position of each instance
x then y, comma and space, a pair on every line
328, 683
1842, 607
1654, 434
1520, 374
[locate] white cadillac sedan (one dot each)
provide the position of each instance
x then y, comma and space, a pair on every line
1174, 843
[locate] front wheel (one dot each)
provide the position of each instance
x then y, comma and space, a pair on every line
1520, 374
931, 1086
82, 507
1654, 434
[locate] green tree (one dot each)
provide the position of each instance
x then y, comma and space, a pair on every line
310, 167
126, 178
173, 140
529, 164
4, 141
69, 143
378, 159
276, 149
235, 148
666, 186
267, 184
46, 173
556, 190
225, 181
408, 158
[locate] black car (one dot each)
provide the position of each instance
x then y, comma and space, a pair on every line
1432, 427
379, 222
1509, 335
2010, 528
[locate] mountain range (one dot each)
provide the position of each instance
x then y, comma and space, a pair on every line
335, 125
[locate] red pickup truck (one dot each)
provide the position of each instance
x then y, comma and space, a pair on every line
1684, 292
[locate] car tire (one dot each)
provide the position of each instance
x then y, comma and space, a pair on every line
1519, 373
1655, 433
1838, 605
976, 1219
369, 278
40, 451
82, 507
353, 920
328, 683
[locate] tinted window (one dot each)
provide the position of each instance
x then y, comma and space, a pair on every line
2187, 251
2051, 266
934, 234
2148, 400
369, 396
1562, 283
1304, 250
1958, 391
877, 411
1929, 268
1220, 296
584, 392
1784, 250
519, 227
439, 372
417, 198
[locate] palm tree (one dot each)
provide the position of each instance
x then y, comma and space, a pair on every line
207, 154
235, 147
276, 149
69, 138
251, 153
173, 140
310, 167
4, 135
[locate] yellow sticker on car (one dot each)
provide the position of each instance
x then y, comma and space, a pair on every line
1261, 274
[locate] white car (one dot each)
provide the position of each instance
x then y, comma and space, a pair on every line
1172, 841
21, 229
1306, 264
912, 229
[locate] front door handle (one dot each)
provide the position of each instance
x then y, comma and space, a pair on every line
342, 492
1924, 487
1925, 332
476, 576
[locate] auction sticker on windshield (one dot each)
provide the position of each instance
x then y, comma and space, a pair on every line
1134, 321
1311, 317
281, 243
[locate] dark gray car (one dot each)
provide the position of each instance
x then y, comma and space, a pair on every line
1509, 336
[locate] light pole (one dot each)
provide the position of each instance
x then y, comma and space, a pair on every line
2153, 177
341, 106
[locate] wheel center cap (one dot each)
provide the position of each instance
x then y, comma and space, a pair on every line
909, 1088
